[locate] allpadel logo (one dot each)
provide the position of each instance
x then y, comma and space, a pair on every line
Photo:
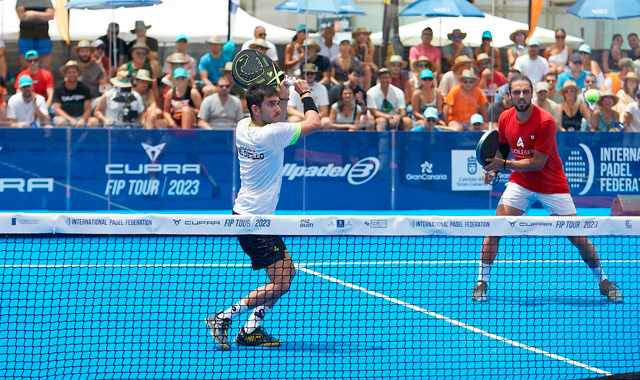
579, 169
357, 174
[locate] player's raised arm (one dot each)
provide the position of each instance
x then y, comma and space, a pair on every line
311, 122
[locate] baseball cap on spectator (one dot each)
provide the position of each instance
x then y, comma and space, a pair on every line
181, 37
576, 58
98, 43
25, 81
179, 72
487, 34
625, 62
426, 73
585, 48
344, 39
383, 70
476, 118
533, 41
431, 112
301, 27
31, 54
542, 86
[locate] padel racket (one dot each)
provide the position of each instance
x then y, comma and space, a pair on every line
487, 148
251, 67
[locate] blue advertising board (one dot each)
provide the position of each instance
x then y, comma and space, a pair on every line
127, 169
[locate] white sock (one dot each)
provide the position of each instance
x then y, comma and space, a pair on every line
256, 318
599, 273
483, 273
234, 310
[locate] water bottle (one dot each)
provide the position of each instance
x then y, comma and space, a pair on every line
618, 127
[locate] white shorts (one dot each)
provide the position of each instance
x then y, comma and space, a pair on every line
522, 199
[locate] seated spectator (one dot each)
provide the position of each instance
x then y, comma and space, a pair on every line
152, 117
571, 112
396, 64
575, 72
455, 49
328, 48
605, 118
220, 110
41, 78
260, 44
477, 122
591, 65
72, 99
92, 73
558, 54
139, 52
488, 49
364, 50
462, 102
414, 82
119, 106
140, 30
552, 79
115, 48
181, 47
519, 48
631, 115
100, 57
611, 57
626, 95
319, 94
176, 60
322, 63
235, 89
353, 81
424, 97
590, 83
261, 32
532, 64
182, 103
27, 109
428, 51
387, 105
210, 65
345, 113
341, 63
489, 80
430, 121
613, 80
452, 78
541, 100
634, 45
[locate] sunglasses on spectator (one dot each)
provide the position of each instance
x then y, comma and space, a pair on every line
141, 53
432, 120
468, 81
32, 60
550, 80
224, 85
457, 37
427, 79
608, 100
521, 35
396, 64
561, 37
484, 63
262, 35
421, 65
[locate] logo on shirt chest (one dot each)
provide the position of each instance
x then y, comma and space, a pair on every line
520, 143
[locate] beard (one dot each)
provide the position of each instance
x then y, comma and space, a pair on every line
84, 59
522, 105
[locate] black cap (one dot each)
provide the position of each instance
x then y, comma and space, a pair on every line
576, 58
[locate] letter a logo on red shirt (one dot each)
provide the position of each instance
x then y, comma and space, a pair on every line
520, 143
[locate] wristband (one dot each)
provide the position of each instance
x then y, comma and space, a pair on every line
504, 165
308, 104
305, 92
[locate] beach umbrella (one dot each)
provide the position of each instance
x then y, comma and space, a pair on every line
335, 7
442, 8
605, 9
110, 4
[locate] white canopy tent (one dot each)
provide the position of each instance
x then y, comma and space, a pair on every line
197, 19
500, 28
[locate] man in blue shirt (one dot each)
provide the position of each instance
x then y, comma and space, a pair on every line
575, 72
210, 65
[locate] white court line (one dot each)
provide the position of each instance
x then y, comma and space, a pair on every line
454, 322
311, 264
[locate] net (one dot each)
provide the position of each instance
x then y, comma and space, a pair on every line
125, 296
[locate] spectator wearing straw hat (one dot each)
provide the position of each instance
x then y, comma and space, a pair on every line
519, 49
455, 49
489, 79
319, 94
413, 81
139, 51
426, 50
34, 16
235, 89
42, 79
220, 110
396, 64
489, 50
140, 30
176, 60
27, 109
260, 44
387, 105
605, 118
181, 43
210, 65
452, 78
631, 115
321, 62
462, 102
541, 100
260, 32
115, 48
92, 73
72, 99
120, 106
571, 112
363, 50
532, 65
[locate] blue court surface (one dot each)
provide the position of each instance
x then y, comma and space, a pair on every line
359, 307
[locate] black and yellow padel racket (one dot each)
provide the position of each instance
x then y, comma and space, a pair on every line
251, 66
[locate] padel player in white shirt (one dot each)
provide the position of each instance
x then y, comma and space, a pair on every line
260, 142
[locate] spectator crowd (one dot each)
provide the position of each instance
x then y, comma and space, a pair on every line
111, 82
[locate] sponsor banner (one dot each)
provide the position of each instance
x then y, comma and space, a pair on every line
466, 172
316, 225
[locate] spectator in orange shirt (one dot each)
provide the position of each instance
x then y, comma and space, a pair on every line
463, 101
42, 78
